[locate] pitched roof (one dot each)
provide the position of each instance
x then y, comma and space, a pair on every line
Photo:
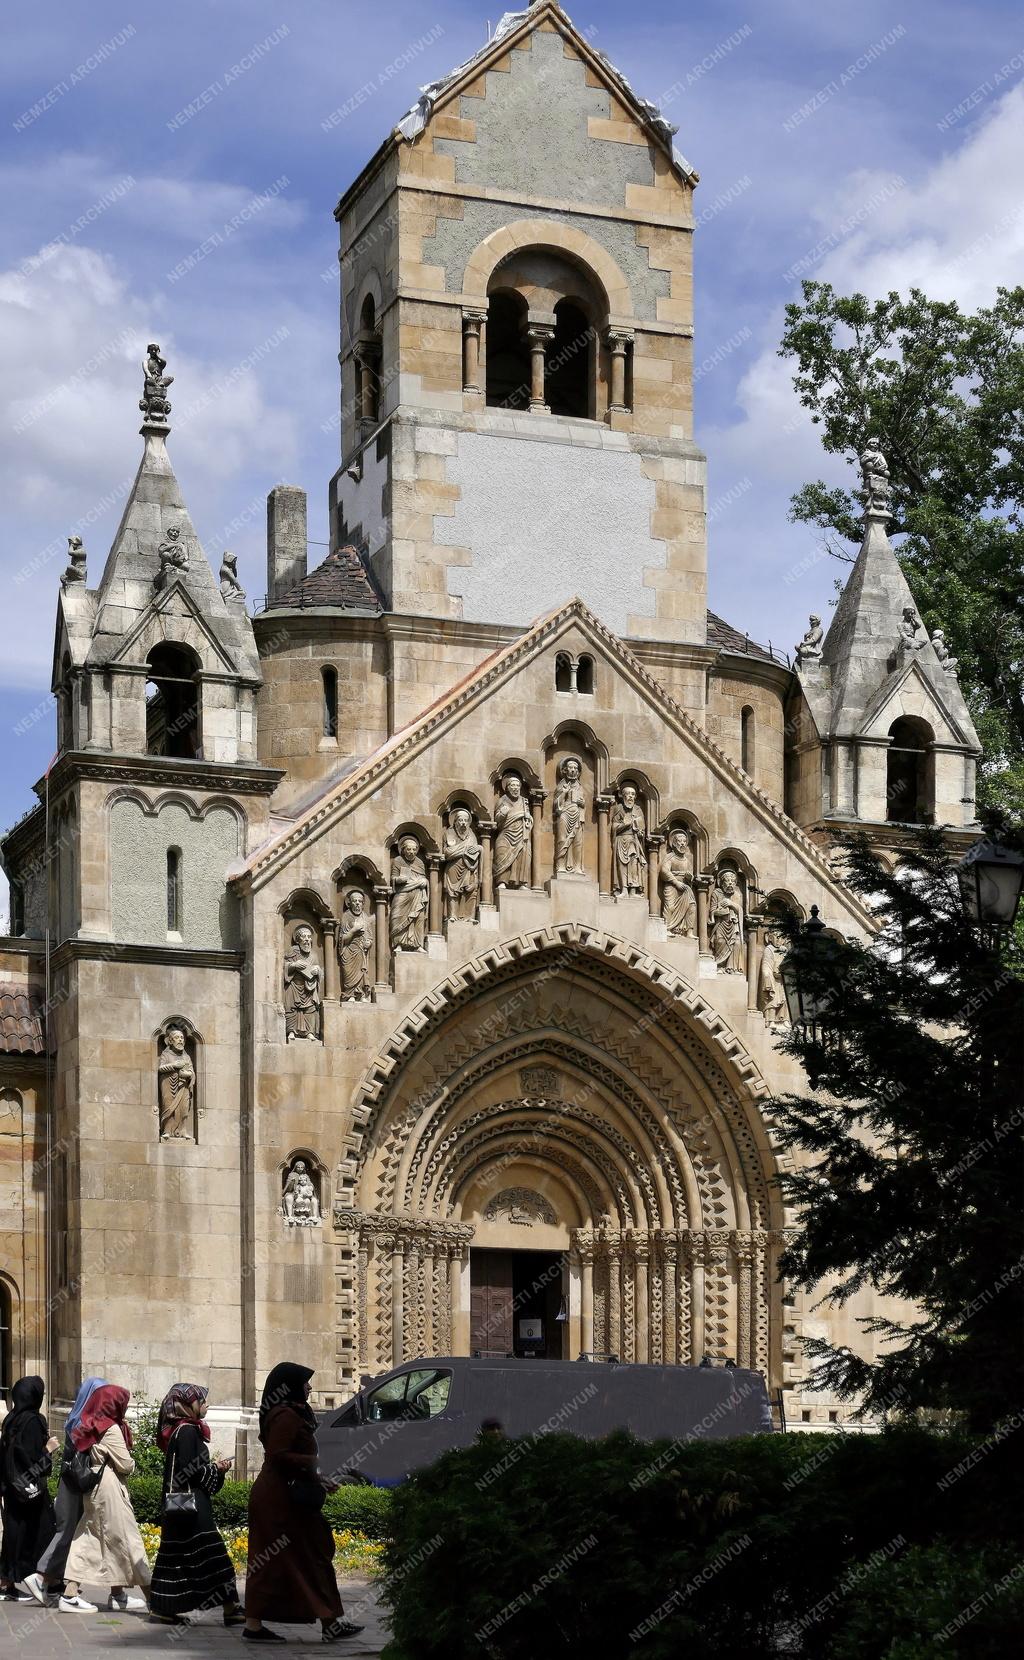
342, 582
727, 638
21, 1020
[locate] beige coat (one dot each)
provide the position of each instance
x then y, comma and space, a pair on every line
107, 1548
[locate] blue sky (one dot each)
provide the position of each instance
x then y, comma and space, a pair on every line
875, 146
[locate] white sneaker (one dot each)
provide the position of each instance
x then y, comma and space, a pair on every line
76, 1605
35, 1587
120, 1602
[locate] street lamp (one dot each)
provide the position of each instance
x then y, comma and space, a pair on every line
805, 980
991, 877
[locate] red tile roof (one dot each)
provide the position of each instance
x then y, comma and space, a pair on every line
21, 1021
341, 582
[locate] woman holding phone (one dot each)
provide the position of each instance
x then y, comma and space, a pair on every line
192, 1568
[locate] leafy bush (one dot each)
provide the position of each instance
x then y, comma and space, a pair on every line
364, 1510
936, 1599
149, 1460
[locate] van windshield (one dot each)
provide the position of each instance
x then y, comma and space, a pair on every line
419, 1394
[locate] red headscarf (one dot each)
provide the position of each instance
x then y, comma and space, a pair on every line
105, 1406
181, 1406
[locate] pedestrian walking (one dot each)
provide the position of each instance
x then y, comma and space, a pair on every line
290, 1576
192, 1567
107, 1548
47, 1582
26, 1448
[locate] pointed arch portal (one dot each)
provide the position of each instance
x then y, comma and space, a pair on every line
560, 1098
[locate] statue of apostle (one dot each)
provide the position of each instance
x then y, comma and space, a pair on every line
513, 823
303, 987
629, 842
461, 852
771, 996
570, 806
355, 942
726, 918
177, 1086
410, 892
678, 904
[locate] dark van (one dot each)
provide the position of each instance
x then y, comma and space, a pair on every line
406, 1418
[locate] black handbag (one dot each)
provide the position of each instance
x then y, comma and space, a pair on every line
177, 1504
307, 1492
80, 1472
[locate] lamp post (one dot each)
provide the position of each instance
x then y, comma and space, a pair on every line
991, 878
809, 999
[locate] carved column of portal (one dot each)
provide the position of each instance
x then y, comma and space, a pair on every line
538, 336
614, 1296
434, 893
330, 959
398, 1302
697, 1298
702, 885
486, 828
536, 808
755, 943
641, 1266
654, 846
382, 943
472, 323
670, 1264
744, 1255
761, 1291
604, 846
584, 1247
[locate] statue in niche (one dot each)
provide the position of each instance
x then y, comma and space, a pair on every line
177, 1087
678, 902
808, 652
513, 824
570, 806
726, 922
299, 1203
942, 651
303, 987
912, 635
230, 586
154, 404
875, 473
771, 997
461, 852
76, 567
355, 942
408, 922
629, 842
174, 558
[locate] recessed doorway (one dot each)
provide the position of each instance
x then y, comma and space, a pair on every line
516, 1298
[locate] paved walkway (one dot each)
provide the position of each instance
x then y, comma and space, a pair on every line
28, 1632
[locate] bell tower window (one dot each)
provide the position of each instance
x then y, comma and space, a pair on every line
508, 352
568, 376
173, 725
910, 781
329, 677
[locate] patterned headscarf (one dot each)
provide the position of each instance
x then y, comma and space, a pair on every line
75, 1415
106, 1405
181, 1406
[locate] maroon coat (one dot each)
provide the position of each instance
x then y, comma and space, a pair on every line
290, 1576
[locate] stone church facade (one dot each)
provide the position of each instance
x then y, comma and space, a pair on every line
392, 968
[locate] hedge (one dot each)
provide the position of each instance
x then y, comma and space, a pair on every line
365, 1509
564, 1547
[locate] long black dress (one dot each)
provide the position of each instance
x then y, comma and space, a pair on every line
28, 1523
192, 1568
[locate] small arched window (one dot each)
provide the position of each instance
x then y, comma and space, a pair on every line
563, 672
570, 354
173, 702
368, 358
585, 675
910, 780
329, 677
508, 352
747, 740
174, 890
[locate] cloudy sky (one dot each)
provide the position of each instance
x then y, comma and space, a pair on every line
875, 146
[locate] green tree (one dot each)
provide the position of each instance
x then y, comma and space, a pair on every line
943, 392
911, 1181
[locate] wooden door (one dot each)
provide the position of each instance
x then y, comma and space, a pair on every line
490, 1302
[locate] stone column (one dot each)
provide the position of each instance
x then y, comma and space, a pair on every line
382, 940
702, 884
614, 1297
743, 1254
585, 1256
618, 342
538, 336
398, 1302
486, 829
697, 1298
670, 1261
472, 322
642, 1262
604, 846
536, 808
434, 925
755, 942
654, 847
330, 929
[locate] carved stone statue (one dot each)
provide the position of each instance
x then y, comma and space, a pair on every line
461, 852
513, 823
809, 650
154, 404
230, 586
355, 942
629, 842
912, 635
942, 652
725, 915
678, 902
174, 558
408, 921
299, 1200
177, 1087
875, 472
569, 808
771, 998
76, 571
303, 987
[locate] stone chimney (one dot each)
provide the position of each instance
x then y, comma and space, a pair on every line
286, 539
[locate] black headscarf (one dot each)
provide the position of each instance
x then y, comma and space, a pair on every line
24, 1433
286, 1386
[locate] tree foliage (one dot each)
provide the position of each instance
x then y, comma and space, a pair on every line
911, 1180
943, 392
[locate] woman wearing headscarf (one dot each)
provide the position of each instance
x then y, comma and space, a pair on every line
192, 1567
26, 1446
291, 1548
47, 1582
107, 1548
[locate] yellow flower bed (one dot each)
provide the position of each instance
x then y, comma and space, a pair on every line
354, 1553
